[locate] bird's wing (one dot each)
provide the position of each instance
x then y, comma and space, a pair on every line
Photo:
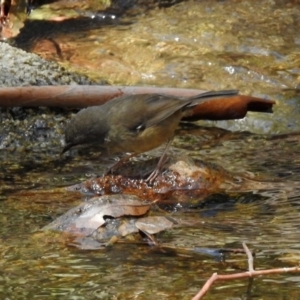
161, 107
137, 112
194, 100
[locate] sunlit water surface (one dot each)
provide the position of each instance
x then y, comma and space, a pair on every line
252, 46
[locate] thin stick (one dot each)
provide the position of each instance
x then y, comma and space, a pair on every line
250, 257
249, 274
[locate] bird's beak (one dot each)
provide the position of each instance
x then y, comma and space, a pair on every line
66, 148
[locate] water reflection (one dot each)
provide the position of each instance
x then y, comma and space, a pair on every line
266, 218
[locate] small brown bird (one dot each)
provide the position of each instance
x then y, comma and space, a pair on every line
133, 123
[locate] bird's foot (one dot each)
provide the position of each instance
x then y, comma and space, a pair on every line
150, 179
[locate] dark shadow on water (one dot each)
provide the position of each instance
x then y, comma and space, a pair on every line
35, 30
121, 13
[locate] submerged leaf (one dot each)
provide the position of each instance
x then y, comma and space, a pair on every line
89, 216
153, 224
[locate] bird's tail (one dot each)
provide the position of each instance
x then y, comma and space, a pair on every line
199, 98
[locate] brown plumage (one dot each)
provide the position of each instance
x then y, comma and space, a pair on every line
134, 123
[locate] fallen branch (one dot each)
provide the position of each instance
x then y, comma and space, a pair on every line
250, 258
217, 108
77, 95
249, 274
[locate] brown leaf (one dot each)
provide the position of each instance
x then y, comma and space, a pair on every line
153, 225
87, 217
127, 228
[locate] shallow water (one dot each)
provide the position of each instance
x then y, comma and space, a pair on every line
249, 45
252, 46
41, 265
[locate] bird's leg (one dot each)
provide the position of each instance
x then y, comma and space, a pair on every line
161, 162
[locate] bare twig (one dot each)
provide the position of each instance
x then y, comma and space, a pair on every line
250, 257
250, 273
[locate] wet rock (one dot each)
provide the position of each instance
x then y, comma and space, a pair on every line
26, 129
19, 68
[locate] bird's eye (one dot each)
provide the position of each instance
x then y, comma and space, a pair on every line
140, 127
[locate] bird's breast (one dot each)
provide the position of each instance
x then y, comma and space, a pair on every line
121, 139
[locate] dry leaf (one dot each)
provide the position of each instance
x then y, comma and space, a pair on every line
89, 216
153, 225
